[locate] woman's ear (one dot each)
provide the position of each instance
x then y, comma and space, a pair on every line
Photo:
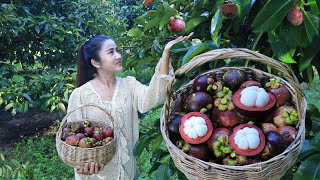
95, 64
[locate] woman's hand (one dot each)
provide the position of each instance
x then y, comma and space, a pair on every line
92, 168
178, 39
164, 66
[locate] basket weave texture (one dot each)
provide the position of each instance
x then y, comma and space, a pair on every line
274, 168
76, 156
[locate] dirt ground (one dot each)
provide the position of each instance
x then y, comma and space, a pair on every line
33, 122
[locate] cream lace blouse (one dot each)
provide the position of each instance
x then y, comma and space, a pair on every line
130, 96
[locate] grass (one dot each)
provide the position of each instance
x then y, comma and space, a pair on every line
45, 163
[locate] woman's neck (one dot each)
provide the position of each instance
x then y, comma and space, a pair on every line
108, 81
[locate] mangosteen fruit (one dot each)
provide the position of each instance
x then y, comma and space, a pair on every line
195, 127
289, 133
278, 90
221, 146
295, 16
199, 151
202, 82
229, 9
253, 101
285, 116
72, 140
233, 78
266, 127
85, 143
223, 100
226, 118
199, 102
174, 123
215, 134
247, 139
275, 145
183, 145
176, 24
249, 83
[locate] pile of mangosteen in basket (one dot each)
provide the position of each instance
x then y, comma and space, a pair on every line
86, 135
234, 121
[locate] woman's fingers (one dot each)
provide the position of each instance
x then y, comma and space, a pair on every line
92, 166
96, 168
101, 167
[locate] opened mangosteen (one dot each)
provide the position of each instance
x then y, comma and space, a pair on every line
253, 101
247, 139
289, 133
195, 128
279, 91
275, 145
199, 151
233, 78
199, 102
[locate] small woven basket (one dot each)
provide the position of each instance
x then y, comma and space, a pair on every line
76, 156
274, 168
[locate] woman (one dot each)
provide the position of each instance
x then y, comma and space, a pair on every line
98, 61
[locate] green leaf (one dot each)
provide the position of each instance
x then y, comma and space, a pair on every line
163, 172
152, 23
309, 53
194, 22
309, 169
140, 145
154, 167
2, 157
271, 15
134, 32
315, 141
216, 24
314, 7
181, 47
313, 98
288, 57
156, 45
8, 106
156, 143
311, 25
168, 13
193, 51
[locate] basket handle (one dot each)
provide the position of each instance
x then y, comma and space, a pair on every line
81, 106
242, 53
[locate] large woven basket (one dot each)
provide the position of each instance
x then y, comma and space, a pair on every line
76, 156
274, 168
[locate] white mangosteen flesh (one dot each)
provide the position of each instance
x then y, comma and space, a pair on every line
254, 96
195, 127
247, 138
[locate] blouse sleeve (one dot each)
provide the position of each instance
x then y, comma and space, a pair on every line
147, 97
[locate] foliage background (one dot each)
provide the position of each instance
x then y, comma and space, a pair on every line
39, 41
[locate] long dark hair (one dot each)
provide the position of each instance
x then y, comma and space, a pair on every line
89, 50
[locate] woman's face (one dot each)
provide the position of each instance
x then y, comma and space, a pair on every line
110, 58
